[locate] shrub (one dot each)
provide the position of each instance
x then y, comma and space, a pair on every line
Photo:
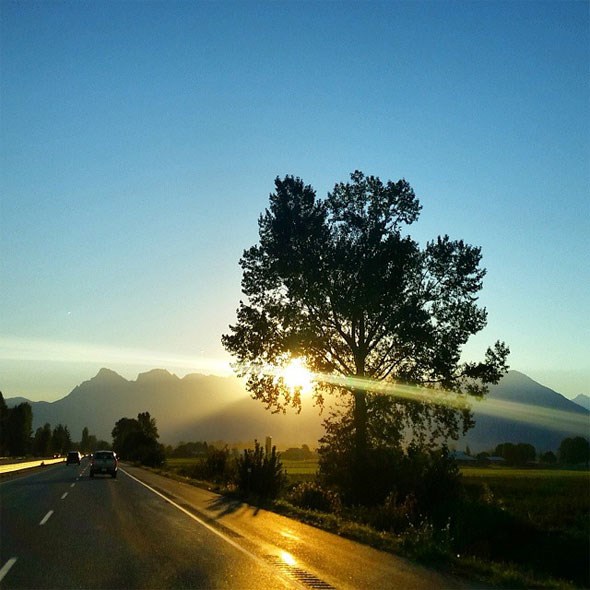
260, 474
394, 515
315, 497
430, 476
217, 466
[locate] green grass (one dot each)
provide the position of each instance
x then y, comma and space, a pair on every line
550, 499
176, 463
301, 471
519, 473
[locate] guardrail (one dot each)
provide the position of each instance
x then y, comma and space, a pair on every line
29, 464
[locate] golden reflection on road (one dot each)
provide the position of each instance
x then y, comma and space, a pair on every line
290, 536
287, 558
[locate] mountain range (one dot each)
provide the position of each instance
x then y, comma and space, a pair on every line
582, 400
210, 408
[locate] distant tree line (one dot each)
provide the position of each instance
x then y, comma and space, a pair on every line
572, 451
17, 439
187, 449
298, 454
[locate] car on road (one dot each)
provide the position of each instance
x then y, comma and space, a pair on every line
104, 462
73, 457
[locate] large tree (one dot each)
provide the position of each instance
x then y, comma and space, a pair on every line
61, 440
42, 441
574, 450
137, 440
338, 283
17, 425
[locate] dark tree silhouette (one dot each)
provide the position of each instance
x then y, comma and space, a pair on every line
42, 441
61, 440
574, 450
137, 440
337, 282
516, 454
3, 423
17, 428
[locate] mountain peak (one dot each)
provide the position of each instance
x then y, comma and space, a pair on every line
582, 400
108, 374
518, 387
156, 375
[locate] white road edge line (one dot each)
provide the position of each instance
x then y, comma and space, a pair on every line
288, 583
46, 518
6, 567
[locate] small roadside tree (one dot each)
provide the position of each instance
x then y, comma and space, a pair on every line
336, 282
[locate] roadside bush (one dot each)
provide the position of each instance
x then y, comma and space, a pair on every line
393, 516
315, 497
426, 542
152, 455
217, 466
260, 474
401, 486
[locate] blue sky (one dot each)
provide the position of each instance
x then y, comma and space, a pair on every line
140, 141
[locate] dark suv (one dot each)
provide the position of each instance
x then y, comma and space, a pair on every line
73, 457
103, 462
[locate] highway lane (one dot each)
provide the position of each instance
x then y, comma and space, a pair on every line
60, 529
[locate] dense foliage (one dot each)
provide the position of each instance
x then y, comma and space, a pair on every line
516, 454
260, 474
137, 440
574, 450
337, 282
16, 425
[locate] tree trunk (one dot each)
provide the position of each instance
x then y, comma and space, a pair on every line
359, 467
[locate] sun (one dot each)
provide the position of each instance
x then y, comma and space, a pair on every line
297, 376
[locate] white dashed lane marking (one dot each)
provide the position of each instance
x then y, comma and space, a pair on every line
46, 518
6, 567
64, 495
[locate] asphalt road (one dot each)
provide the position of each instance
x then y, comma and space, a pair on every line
61, 529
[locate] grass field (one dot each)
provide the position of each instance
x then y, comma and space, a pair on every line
532, 473
298, 471
551, 499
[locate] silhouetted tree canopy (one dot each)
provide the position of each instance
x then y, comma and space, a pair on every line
516, 454
3, 431
137, 440
574, 450
42, 441
61, 440
16, 428
337, 281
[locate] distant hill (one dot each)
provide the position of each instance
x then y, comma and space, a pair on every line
582, 400
519, 409
200, 407
196, 407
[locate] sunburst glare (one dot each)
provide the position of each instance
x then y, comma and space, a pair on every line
297, 376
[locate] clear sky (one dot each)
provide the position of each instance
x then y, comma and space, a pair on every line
140, 142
